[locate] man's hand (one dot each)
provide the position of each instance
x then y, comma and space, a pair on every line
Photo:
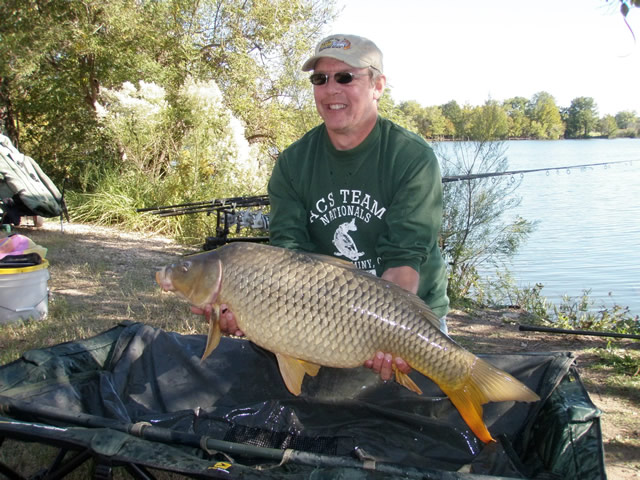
382, 363
228, 324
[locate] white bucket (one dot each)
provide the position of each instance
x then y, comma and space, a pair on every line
24, 293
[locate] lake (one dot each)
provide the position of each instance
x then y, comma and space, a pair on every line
588, 232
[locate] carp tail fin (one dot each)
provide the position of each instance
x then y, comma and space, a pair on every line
486, 383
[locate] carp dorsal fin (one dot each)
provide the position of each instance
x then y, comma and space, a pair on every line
212, 314
293, 371
338, 262
423, 309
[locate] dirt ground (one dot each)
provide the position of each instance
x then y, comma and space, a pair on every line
98, 272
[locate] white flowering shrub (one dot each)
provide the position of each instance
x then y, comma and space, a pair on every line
198, 138
191, 148
214, 144
134, 117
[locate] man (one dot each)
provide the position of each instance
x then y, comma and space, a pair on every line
359, 187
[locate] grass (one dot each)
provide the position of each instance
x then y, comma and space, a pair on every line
624, 364
89, 299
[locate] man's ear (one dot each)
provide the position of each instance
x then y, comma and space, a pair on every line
378, 87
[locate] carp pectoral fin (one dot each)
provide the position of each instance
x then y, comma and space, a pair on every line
405, 380
293, 371
485, 383
213, 337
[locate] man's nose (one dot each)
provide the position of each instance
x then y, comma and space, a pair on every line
332, 84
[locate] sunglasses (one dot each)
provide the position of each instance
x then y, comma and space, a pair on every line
340, 77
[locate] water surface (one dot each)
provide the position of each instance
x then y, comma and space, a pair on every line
588, 233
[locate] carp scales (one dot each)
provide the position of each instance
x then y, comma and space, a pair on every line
313, 310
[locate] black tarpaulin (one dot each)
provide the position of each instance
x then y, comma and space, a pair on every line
346, 422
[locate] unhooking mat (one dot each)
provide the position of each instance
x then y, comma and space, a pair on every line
137, 395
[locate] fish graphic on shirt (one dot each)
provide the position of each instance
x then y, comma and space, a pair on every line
344, 243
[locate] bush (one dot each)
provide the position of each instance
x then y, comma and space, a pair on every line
571, 313
188, 149
475, 229
503, 291
580, 314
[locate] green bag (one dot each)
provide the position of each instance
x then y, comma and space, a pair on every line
23, 181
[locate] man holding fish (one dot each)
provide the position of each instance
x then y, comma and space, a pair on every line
359, 187
355, 193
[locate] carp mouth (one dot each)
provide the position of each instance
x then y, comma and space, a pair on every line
164, 281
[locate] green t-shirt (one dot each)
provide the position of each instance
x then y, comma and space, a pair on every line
378, 205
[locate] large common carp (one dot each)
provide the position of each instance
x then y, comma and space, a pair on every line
314, 310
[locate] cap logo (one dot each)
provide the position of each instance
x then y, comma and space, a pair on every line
335, 43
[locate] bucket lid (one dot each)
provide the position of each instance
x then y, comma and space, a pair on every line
33, 268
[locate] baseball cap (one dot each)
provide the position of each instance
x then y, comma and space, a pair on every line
353, 50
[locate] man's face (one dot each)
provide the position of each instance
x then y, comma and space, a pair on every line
351, 108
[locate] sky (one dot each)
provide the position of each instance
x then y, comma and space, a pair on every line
471, 51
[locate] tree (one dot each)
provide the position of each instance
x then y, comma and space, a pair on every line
56, 56
475, 229
546, 122
413, 111
456, 117
519, 123
626, 119
254, 51
489, 122
438, 125
388, 109
582, 117
607, 126
429, 121
628, 124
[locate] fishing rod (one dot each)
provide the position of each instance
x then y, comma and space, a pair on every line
206, 206
209, 206
564, 331
25, 409
474, 176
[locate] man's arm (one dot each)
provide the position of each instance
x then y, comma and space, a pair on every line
288, 218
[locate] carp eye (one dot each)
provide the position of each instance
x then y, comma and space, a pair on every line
186, 266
